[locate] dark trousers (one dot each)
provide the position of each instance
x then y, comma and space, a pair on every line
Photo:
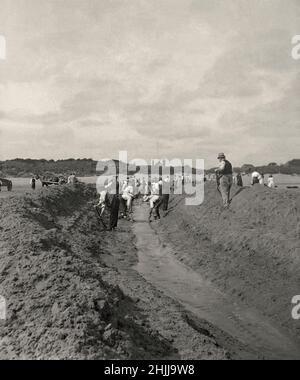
165, 202
114, 211
157, 207
239, 182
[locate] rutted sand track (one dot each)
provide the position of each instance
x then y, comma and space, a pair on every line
159, 266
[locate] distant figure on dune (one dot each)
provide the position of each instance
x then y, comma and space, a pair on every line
256, 178
72, 179
33, 183
224, 177
239, 180
271, 183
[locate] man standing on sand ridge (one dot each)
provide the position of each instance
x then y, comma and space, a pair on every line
224, 173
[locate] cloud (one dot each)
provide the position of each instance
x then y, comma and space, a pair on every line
278, 119
194, 76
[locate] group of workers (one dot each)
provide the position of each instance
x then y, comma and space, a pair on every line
259, 178
61, 180
117, 197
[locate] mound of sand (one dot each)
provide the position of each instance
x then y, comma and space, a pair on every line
51, 276
250, 251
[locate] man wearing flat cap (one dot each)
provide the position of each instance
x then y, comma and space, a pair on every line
224, 173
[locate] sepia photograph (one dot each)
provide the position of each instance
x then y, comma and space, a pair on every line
149, 183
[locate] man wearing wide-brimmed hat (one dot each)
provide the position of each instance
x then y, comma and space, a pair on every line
224, 173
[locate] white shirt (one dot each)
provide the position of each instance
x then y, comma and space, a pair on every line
155, 189
102, 197
128, 190
271, 182
222, 165
256, 175
72, 179
124, 186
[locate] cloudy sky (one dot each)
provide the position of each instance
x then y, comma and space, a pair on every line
178, 78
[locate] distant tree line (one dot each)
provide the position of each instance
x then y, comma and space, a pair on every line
291, 167
87, 167
27, 167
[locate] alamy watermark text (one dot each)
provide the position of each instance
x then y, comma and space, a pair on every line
296, 47
296, 307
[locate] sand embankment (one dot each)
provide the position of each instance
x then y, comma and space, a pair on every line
250, 251
58, 305
72, 293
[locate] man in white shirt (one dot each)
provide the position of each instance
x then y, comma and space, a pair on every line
128, 195
72, 179
154, 194
271, 183
102, 202
256, 178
